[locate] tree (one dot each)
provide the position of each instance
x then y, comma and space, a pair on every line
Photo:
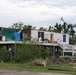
29, 27
71, 32
68, 28
42, 28
58, 28
72, 35
34, 27
65, 27
17, 25
51, 28
20, 25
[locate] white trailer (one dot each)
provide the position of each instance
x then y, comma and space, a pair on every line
55, 37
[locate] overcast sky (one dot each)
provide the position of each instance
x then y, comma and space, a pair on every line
39, 13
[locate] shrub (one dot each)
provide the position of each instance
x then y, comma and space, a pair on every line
2, 53
28, 52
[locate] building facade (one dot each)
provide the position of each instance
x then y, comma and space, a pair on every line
55, 37
52, 39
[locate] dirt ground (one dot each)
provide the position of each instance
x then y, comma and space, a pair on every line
7, 72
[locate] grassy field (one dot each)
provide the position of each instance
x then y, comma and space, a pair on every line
56, 68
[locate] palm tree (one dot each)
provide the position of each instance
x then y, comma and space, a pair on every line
49, 29
65, 27
71, 32
72, 37
58, 28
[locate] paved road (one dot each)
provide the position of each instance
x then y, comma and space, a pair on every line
7, 72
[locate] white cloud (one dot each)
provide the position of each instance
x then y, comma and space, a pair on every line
36, 12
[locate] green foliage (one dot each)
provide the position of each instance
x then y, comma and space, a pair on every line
28, 52
43, 29
51, 29
20, 25
72, 40
6, 55
24, 53
58, 28
28, 27
2, 53
17, 25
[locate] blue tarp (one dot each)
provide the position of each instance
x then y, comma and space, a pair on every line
17, 36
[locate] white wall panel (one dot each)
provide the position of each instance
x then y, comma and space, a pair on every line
47, 35
34, 34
